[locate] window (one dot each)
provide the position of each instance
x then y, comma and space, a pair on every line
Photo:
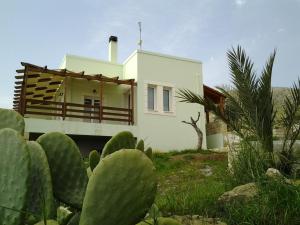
151, 98
166, 99
159, 98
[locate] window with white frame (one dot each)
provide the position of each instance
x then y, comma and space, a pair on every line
166, 99
159, 98
151, 97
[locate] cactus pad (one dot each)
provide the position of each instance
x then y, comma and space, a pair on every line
68, 172
148, 152
40, 198
140, 145
122, 140
11, 119
14, 176
121, 189
75, 219
94, 159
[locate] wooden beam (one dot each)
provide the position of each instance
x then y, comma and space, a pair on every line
44, 79
22, 108
132, 102
51, 90
34, 68
100, 102
40, 88
55, 82
38, 95
65, 98
31, 85
47, 97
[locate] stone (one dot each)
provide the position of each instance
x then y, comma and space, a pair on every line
275, 174
206, 171
198, 220
241, 193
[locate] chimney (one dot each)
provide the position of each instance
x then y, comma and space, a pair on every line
113, 49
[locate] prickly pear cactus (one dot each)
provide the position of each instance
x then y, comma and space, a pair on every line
123, 140
161, 221
140, 145
11, 119
40, 198
89, 172
68, 173
121, 189
75, 219
94, 159
64, 215
14, 176
49, 222
148, 152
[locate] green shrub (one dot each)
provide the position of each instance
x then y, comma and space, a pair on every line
278, 203
248, 165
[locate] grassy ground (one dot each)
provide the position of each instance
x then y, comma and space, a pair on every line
183, 189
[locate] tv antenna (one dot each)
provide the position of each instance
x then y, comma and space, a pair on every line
140, 40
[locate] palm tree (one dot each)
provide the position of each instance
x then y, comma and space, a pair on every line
249, 110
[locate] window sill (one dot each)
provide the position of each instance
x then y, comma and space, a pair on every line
168, 113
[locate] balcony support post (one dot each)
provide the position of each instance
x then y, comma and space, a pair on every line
64, 109
101, 99
132, 102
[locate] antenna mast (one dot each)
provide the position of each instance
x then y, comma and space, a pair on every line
140, 29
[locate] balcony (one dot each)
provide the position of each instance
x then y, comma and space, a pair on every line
88, 113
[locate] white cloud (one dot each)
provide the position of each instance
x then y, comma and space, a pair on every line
240, 2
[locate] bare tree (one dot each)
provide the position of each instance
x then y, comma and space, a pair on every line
193, 123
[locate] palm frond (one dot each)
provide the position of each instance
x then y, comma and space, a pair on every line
289, 119
265, 105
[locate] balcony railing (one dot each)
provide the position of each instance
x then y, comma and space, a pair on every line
90, 113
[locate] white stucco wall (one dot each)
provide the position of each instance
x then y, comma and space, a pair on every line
92, 66
34, 125
163, 131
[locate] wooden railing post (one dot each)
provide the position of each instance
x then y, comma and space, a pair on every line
64, 109
132, 102
100, 101
23, 93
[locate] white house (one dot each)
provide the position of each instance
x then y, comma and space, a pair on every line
91, 99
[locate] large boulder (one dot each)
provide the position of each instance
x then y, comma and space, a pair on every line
275, 174
240, 193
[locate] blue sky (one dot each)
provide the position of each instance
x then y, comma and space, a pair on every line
42, 32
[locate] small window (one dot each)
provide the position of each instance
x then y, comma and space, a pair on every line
151, 98
166, 100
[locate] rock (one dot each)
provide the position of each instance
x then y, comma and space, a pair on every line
206, 171
275, 174
241, 193
198, 220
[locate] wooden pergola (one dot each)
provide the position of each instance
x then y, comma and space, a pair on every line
215, 96
36, 88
